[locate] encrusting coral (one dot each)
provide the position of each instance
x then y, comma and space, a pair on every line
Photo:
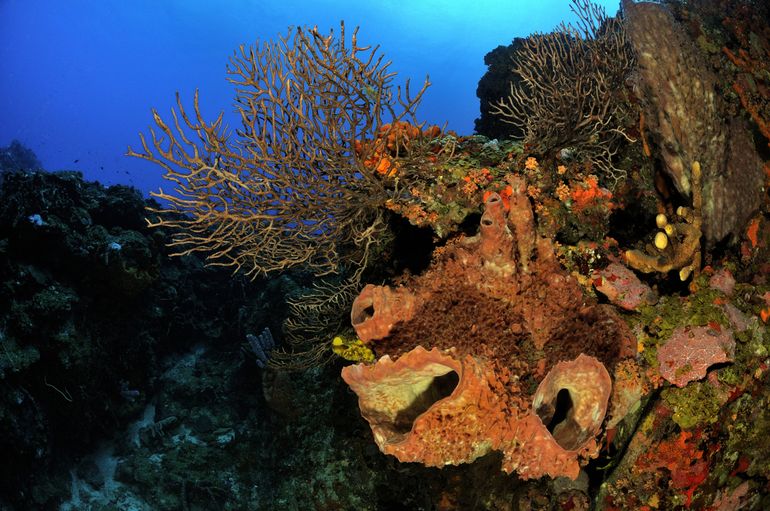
494, 347
691, 350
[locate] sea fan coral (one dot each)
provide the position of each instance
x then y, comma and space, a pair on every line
564, 92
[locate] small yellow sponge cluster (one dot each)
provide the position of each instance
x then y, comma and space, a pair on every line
352, 349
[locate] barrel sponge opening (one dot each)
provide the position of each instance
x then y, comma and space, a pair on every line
571, 401
394, 394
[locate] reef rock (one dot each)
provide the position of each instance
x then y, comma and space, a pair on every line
686, 120
494, 348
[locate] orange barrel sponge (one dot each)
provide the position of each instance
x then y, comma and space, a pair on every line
438, 408
378, 308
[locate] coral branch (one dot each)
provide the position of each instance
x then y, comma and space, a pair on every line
677, 246
291, 188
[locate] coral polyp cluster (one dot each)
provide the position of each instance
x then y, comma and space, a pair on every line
494, 348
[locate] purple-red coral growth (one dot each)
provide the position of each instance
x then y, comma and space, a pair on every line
690, 351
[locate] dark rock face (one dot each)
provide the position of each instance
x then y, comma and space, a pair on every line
493, 86
18, 157
90, 303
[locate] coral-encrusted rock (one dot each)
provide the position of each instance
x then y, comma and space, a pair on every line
629, 386
738, 320
690, 351
687, 119
501, 318
723, 281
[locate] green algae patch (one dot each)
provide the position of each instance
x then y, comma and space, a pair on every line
696, 404
751, 348
748, 436
656, 323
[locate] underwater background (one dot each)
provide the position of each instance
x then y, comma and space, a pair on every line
536, 279
98, 67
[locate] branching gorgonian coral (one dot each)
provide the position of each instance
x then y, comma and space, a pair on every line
568, 95
289, 187
299, 183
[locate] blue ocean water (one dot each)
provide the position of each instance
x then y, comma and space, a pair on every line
78, 78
